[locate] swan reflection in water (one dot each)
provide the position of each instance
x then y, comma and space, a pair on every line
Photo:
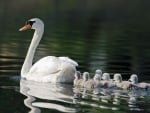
65, 98
49, 92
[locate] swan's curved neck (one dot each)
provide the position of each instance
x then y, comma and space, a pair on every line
31, 51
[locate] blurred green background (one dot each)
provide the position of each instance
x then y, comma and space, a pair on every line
110, 35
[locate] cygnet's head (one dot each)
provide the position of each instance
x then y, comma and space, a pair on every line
98, 71
106, 76
98, 75
86, 76
117, 78
133, 79
78, 75
34, 23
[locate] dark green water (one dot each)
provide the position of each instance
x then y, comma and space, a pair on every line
112, 35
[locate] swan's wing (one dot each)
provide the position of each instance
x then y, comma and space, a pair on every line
68, 60
46, 65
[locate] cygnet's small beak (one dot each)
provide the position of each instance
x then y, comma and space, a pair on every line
26, 27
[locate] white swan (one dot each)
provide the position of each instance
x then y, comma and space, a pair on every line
50, 68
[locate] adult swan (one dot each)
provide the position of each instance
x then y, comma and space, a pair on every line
50, 68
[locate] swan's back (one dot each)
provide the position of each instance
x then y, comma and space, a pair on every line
51, 65
46, 65
52, 69
68, 60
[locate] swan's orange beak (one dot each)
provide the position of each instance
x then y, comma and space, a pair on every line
26, 27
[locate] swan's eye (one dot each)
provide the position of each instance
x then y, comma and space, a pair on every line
30, 23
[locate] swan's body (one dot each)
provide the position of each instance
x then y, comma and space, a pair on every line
50, 68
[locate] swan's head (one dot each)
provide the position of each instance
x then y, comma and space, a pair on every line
133, 79
117, 78
34, 23
86, 76
106, 76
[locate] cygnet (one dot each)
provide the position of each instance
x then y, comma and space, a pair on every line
134, 80
95, 82
78, 79
122, 84
106, 79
